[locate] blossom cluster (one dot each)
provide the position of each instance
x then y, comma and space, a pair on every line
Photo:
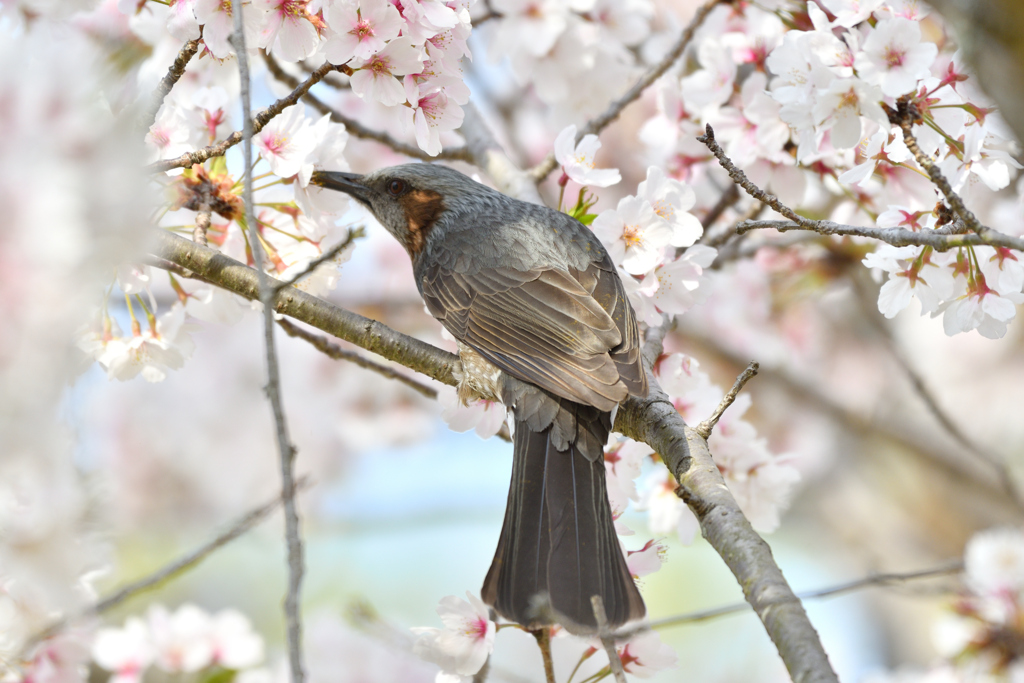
980, 639
465, 642
760, 480
644, 233
187, 640
803, 113
405, 54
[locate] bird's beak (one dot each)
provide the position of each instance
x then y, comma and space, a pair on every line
349, 183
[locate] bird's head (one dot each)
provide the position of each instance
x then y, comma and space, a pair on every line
407, 200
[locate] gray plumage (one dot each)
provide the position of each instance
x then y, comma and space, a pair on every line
533, 292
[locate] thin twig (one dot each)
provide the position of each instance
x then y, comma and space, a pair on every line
869, 581
169, 571
329, 348
202, 225
341, 246
262, 119
174, 73
899, 237
268, 293
543, 636
705, 427
931, 402
603, 632
357, 129
905, 122
600, 122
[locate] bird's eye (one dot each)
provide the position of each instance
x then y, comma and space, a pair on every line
396, 187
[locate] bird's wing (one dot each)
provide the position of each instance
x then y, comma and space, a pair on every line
561, 330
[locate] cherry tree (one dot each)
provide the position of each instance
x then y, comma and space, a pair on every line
782, 185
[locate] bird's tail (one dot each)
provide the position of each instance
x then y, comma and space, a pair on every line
558, 545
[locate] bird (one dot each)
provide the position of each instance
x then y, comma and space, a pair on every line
529, 293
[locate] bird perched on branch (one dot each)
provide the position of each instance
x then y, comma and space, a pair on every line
531, 295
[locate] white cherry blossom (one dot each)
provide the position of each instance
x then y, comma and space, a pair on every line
894, 57
126, 651
841, 107
168, 137
672, 201
462, 646
483, 417
577, 160
681, 282
994, 561
432, 114
633, 234
851, 12
287, 141
644, 655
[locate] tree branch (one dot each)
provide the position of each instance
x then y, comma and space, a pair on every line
607, 639
705, 427
898, 237
352, 236
267, 292
602, 121
169, 571
357, 129
328, 348
174, 73
869, 581
218, 149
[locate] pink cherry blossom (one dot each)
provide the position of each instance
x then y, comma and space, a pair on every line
218, 25
168, 137
432, 113
646, 560
288, 31
360, 29
483, 417
577, 160
125, 651
375, 77
182, 22
287, 141
644, 655
462, 646
681, 282
894, 57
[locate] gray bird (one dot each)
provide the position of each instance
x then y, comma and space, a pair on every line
529, 292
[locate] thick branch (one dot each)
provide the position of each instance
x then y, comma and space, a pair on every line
602, 121
357, 129
258, 122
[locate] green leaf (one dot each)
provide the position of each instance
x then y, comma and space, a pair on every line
219, 675
587, 218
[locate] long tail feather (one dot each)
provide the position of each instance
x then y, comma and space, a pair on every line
558, 545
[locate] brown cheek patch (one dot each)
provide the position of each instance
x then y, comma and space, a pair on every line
422, 208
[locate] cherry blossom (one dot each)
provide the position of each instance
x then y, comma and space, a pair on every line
633, 234
287, 141
126, 651
360, 29
542, 21
433, 113
681, 282
646, 560
182, 22
375, 78
994, 561
168, 137
841, 106
287, 29
913, 273
622, 463
983, 309
894, 57
152, 352
644, 655
483, 417
712, 84
577, 160
851, 12
463, 645
235, 644
218, 25
672, 201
